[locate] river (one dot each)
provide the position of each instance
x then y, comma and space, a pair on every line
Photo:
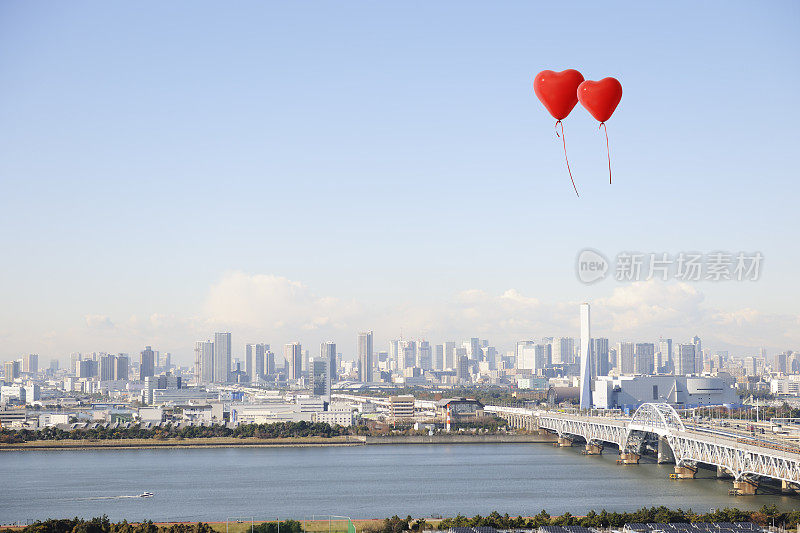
360, 482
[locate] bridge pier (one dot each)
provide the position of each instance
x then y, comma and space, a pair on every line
744, 487
563, 442
684, 472
665, 454
593, 449
787, 487
628, 458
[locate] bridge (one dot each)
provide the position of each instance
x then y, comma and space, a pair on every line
658, 426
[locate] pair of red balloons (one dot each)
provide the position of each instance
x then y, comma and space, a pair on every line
561, 91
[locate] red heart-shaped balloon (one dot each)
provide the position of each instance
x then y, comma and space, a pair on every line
600, 98
557, 91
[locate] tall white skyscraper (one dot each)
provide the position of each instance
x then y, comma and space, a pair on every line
586, 358
684, 359
365, 357
667, 361
222, 357
293, 352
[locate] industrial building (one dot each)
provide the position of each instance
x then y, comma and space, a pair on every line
629, 392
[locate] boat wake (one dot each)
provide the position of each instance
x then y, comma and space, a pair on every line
122, 497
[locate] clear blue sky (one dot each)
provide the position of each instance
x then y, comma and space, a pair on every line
380, 153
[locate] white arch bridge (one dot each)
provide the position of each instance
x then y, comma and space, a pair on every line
744, 458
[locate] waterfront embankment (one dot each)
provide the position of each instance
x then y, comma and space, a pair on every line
235, 442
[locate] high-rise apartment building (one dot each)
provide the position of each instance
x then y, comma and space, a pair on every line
327, 351
147, 363
600, 354
320, 375
685, 359
406, 355
204, 361
424, 356
293, 353
107, 366
626, 356
365, 366
667, 360
644, 358
30, 363
222, 357
438, 357
698, 354
462, 369
121, 364
449, 355
563, 350
12, 371
254, 360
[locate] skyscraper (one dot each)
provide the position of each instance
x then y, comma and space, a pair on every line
586, 358
269, 363
684, 359
450, 355
462, 369
563, 350
107, 366
424, 356
406, 355
30, 363
644, 358
204, 357
438, 357
667, 361
600, 354
293, 352
320, 376
327, 351
365, 357
121, 365
698, 354
147, 363
626, 357
222, 357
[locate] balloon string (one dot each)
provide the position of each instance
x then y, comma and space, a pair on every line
564, 141
608, 150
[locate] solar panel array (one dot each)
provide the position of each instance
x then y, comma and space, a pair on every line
697, 527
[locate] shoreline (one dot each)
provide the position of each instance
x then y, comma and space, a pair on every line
300, 442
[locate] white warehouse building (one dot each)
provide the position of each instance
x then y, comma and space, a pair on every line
629, 392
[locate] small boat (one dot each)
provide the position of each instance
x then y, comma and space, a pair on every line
146, 495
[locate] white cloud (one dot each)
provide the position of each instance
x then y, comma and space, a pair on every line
274, 309
98, 322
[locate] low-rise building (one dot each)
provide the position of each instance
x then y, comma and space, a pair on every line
401, 408
460, 409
